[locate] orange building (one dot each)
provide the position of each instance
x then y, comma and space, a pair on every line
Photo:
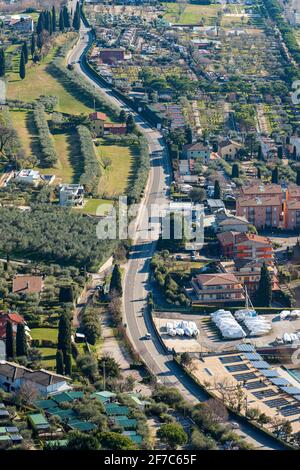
249, 246
261, 211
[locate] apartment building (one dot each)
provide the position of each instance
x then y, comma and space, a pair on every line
262, 212
246, 246
248, 272
217, 288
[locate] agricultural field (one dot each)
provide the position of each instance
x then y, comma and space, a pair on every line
117, 174
191, 14
39, 81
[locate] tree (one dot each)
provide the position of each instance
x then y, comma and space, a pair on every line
186, 359
173, 435
40, 24
2, 63
116, 280
76, 19
235, 171
298, 177
61, 21
122, 116
22, 70
294, 156
275, 175
259, 153
9, 341
115, 441
32, 45
80, 441
59, 362
170, 396
53, 18
264, 291
197, 194
68, 364
217, 190
66, 16
258, 173
66, 294
130, 124
21, 341
108, 366
189, 135
64, 334
280, 152
25, 51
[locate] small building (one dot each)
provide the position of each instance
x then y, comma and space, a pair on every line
97, 120
28, 177
111, 56
114, 128
71, 195
225, 222
20, 23
38, 422
105, 396
220, 288
248, 272
26, 284
197, 151
215, 205
15, 319
228, 149
13, 376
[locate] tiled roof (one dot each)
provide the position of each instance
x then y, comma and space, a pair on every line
216, 279
27, 284
98, 115
259, 189
251, 201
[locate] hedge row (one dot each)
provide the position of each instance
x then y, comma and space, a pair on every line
139, 181
92, 171
49, 156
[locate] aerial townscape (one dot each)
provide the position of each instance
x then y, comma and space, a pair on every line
150, 225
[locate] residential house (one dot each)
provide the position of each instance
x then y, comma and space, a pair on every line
226, 222
97, 120
197, 151
185, 172
292, 208
15, 319
114, 128
26, 284
228, 149
217, 288
111, 56
28, 177
258, 189
248, 272
14, 376
71, 195
215, 205
262, 212
227, 243
294, 143
20, 23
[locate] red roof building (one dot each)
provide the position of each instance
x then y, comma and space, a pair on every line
14, 318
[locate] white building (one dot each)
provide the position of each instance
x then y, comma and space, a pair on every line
28, 177
71, 195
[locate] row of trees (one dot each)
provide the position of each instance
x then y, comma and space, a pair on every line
63, 354
49, 155
91, 168
15, 346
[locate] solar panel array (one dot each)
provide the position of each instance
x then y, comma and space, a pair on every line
245, 377
253, 356
237, 368
264, 394
245, 348
255, 385
291, 390
276, 402
269, 373
290, 410
280, 381
230, 359
260, 364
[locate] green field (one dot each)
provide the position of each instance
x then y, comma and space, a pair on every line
94, 207
44, 333
116, 176
191, 14
49, 357
39, 81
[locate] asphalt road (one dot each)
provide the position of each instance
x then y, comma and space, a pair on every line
136, 283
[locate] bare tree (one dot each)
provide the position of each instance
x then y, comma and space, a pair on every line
216, 411
27, 393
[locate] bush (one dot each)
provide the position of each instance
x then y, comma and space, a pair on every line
92, 172
49, 156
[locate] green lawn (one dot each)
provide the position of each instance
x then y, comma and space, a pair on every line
191, 14
39, 81
49, 357
91, 206
115, 179
44, 333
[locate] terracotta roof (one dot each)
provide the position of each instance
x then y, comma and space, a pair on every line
293, 205
293, 191
14, 318
216, 279
116, 125
259, 189
98, 115
245, 237
233, 221
27, 284
251, 201
227, 238
226, 143
197, 146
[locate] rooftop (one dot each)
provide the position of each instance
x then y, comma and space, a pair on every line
27, 284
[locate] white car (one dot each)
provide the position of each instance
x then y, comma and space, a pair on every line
234, 425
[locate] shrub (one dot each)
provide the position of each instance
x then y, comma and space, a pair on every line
49, 156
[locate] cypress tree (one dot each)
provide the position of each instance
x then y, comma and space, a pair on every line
130, 124
61, 21
21, 341
235, 171
275, 175
64, 334
259, 153
298, 177
189, 135
76, 19
9, 341
22, 70
53, 19
59, 362
280, 152
264, 291
294, 153
25, 51
66, 14
116, 280
258, 173
40, 24
217, 190
122, 116
32, 45
2, 63
68, 364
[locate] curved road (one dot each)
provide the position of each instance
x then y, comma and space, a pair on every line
136, 283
